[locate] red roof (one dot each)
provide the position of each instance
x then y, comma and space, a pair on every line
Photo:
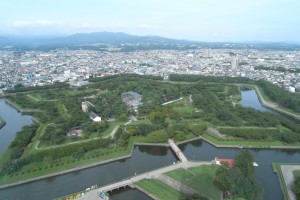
229, 161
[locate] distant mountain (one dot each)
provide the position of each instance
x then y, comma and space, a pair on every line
124, 42
88, 39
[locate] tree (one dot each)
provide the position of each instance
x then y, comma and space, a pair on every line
220, 179
244, 161
122, 117
18, 86
296, 187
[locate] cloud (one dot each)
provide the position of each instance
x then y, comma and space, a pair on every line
147, 26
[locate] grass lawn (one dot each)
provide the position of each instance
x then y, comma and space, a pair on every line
144, 121
199, 178
253, 143
296, 173
160, 190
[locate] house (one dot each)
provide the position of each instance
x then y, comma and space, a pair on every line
220, 161
85, 106
93, 116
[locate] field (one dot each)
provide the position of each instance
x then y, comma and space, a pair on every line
199, 178
160, 190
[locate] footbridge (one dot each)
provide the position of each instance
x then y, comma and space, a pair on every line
177, 151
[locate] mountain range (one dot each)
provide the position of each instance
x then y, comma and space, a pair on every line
124, 42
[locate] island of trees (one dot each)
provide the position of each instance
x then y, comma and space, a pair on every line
205, 106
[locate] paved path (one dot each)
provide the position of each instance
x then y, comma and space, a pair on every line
171, 101
288, 176
93, 194
177, 151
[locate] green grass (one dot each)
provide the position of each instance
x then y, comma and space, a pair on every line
144, 121
199, 178
184, 111
296, 173
160, 190
263, 95
256, 143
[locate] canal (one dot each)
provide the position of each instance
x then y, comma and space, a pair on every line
144, 158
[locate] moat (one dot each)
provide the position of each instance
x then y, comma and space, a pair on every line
144, 158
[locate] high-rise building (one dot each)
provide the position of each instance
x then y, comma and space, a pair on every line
235, 64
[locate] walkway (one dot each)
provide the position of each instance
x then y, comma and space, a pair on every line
172, 101
177, 151
288, 176
93, 194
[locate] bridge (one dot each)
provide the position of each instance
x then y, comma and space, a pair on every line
94, 194
177, 151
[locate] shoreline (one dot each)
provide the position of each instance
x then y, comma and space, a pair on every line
267, 105
23, 112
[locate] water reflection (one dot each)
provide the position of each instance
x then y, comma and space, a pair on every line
154, 151
14, 122
250, 99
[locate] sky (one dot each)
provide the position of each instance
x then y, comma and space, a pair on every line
201, 20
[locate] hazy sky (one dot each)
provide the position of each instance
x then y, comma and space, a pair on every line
203, 20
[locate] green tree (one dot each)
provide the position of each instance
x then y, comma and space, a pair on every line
244, 161
220, 179
296, 187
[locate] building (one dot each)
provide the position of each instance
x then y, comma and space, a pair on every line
85, 106
93, 116
220, 161
131, 99
235, 64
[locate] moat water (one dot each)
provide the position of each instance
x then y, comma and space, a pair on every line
144, 158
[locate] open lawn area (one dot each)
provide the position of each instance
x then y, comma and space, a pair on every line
254, 143
199, 178
160, 190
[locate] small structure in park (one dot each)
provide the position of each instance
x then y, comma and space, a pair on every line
93, 116
131, 99
74, 132
220, 161
85, 106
